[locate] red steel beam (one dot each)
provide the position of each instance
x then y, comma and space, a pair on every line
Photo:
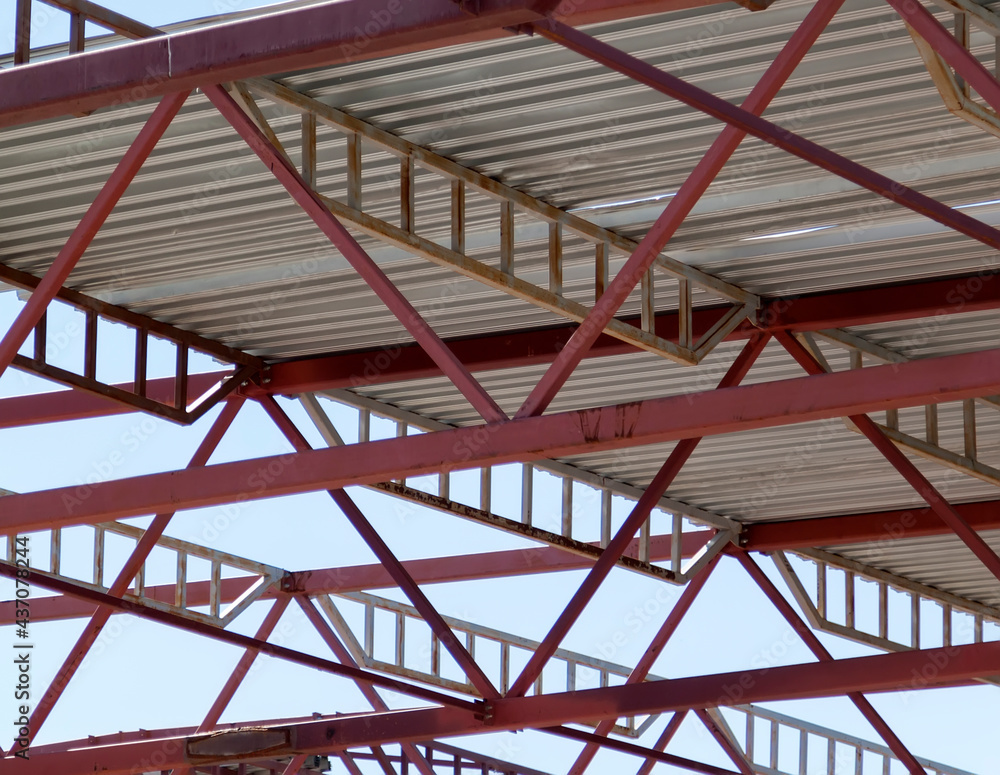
934, 300
649, 657
350, 249
370, 694
485, 565
396, 569
616, 546
281, 42
902, 671
814, 644
88, 227
486, 353
57, 584
938, 503
358, 578
953, 52
64, 405
877, 527
770, 404
128, 572
678, 208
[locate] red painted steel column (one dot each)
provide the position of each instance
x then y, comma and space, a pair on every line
953, 52
616, 546
128, 572
382, 551
751, 124
677, 209
816, 647
85, 231
906, 469
340, 651
363, 264
645, 664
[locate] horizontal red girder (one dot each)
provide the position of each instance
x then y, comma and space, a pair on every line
883, 672
482, 353
864, 528
850, 307
279, 42
357, 578
79, 405
778, 403
487, 565
935, 299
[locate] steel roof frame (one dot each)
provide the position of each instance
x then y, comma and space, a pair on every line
168, 67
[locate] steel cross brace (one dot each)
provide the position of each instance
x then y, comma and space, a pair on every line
677, 210
320, 214
816, 647
125, 577
750, 123
389, 560
663, 740
63, 586
88, 227
609, 558
902, 464
645, 664
654, 754
240, 671
369, 692
951, 50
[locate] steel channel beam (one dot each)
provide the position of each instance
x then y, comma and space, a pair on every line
771, 404
886, 672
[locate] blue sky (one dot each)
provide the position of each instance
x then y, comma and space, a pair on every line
148, 676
